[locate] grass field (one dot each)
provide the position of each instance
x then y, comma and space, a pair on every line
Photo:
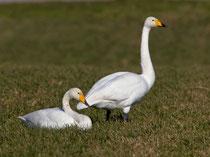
45, 49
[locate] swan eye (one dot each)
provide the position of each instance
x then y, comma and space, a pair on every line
153, 20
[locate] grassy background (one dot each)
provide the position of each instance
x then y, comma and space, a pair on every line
45, 49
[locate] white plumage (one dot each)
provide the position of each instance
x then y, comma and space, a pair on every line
59, 117
121, 90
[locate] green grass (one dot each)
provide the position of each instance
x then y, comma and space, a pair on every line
45, 49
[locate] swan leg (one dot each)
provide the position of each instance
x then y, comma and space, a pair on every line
108, 112
125, 111
125, 117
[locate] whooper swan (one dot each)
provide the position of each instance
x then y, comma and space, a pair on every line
60, 117
121, 90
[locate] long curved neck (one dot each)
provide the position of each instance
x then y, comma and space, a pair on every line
146, 63
66, 107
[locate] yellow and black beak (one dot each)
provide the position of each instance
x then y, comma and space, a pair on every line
160, 24
82, 99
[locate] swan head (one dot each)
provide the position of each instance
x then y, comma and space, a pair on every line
152, 22
77, 94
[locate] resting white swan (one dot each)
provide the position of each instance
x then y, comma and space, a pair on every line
60, 117
121, 90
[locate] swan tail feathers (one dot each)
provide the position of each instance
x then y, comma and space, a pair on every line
22, 118
81, 106
27, 122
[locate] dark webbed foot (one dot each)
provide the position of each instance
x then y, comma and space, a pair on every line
107, 115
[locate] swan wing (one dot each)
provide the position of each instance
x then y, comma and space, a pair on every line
121, 91
98, 85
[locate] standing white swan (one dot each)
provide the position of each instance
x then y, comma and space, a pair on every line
60, 117
121, 90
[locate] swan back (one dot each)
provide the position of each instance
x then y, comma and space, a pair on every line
48, 118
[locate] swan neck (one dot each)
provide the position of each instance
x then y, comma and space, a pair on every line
146, 63
66, 107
